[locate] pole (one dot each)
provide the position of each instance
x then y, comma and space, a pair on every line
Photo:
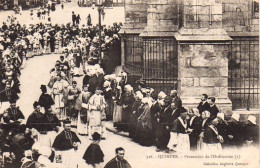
99, 24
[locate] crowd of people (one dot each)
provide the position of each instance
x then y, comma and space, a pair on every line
66, 105
83, 93
19, 42
162, 121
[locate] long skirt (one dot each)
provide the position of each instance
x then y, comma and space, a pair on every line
109, 109
173, 140
162, 136
145, 134
212, 147
125, 118
200, 143
183, 143
193, 141
117, 113
138, 131
132, 125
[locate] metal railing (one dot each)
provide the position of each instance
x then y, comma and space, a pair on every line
243, 68
155, 60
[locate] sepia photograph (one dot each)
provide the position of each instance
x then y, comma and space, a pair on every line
129, 84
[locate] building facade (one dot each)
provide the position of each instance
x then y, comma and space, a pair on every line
196, 47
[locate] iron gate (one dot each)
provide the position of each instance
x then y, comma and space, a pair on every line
243, 67
154, 60
160, 64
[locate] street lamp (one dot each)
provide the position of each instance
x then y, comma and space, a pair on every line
100, 5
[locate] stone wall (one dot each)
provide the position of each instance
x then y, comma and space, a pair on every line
135, 16
162, 18
202, 14
202, 30
239, 16
203, 69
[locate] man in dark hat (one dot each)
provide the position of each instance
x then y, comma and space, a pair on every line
67, 142
45, 99
35, 119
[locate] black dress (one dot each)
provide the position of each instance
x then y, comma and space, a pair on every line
196, 125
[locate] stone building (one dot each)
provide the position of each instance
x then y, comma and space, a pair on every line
195, 46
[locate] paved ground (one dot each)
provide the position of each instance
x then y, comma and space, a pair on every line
36, 73
63, 16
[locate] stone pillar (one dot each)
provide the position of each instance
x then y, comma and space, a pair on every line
135, 16
160, 47
162, 18
203, 47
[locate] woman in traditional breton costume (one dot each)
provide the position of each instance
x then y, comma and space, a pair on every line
145, 123
108, 94
212, 140
96, 113
74, 103
117, 112
252, 131
135, 113
127, 102
82, 127
194, 124
59, 88
205, 122
180, 127
222, 128
235, 131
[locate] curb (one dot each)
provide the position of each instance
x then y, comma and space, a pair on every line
115, 131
